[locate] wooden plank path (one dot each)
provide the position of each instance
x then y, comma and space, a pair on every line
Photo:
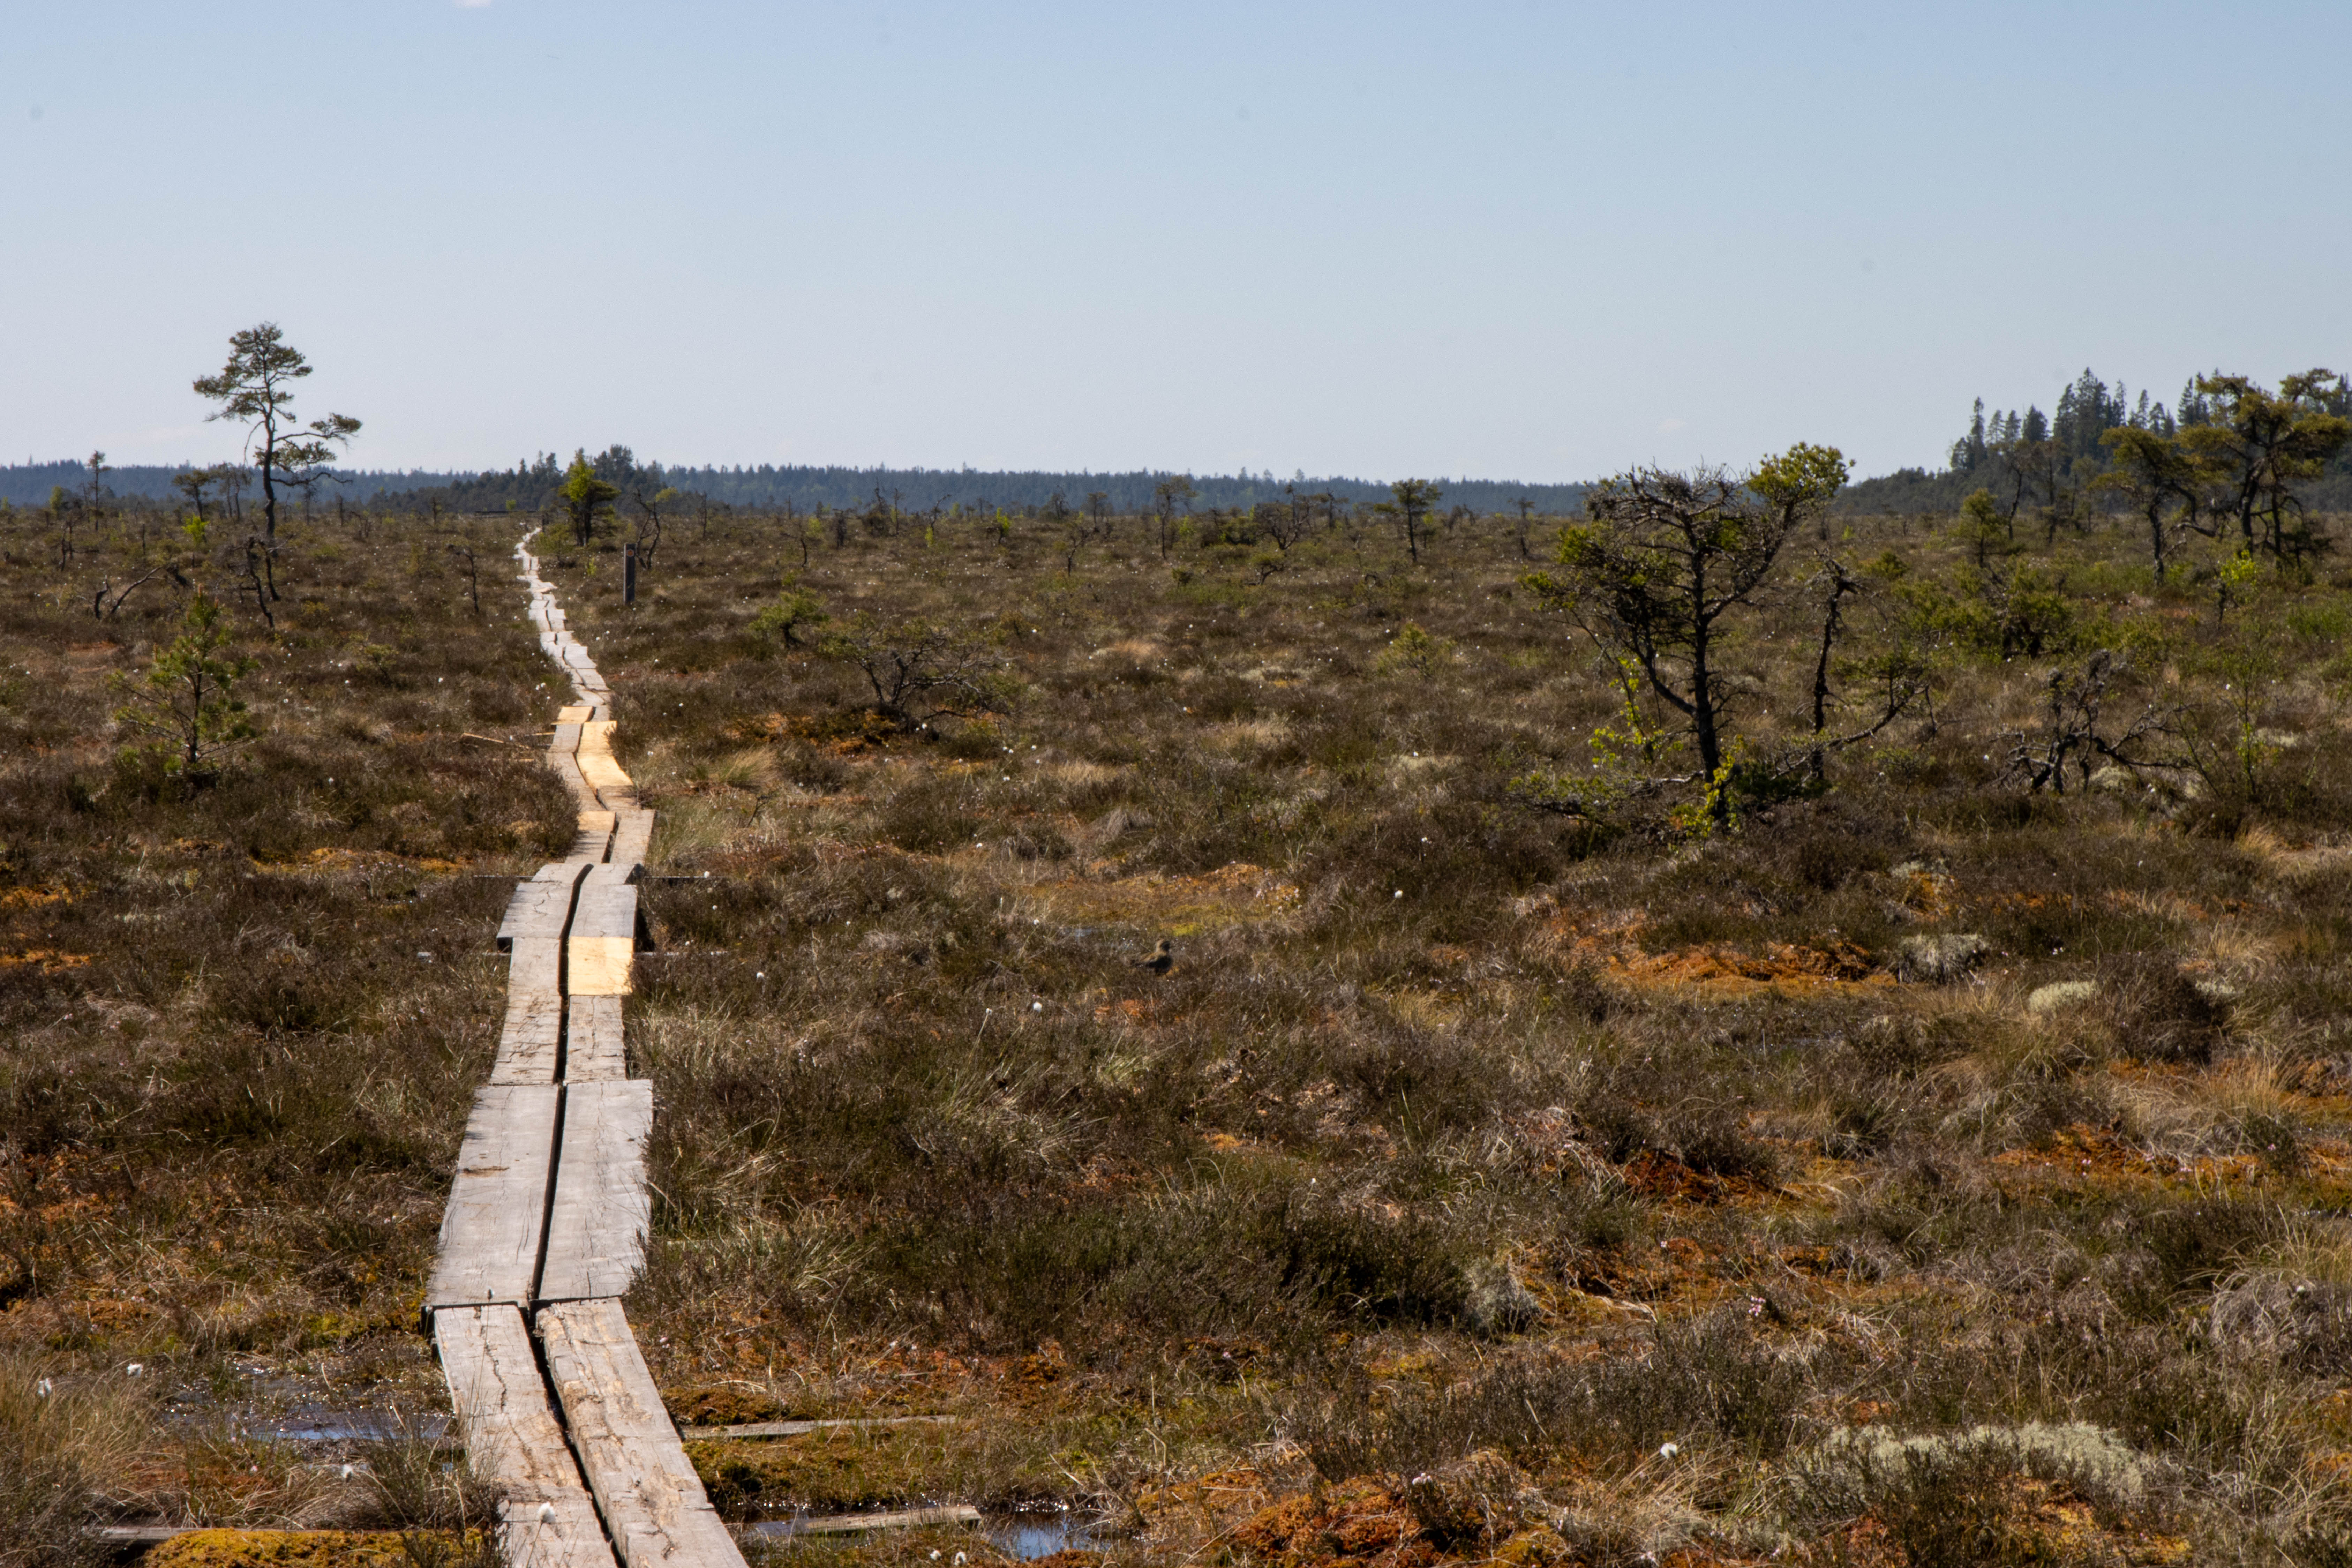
548, 1214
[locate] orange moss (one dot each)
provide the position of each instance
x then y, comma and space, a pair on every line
49, 960
288, 1549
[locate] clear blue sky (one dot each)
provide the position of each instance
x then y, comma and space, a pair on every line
1513, 240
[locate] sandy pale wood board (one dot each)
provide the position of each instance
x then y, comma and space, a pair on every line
601, 965
512, 1438
596, 1227
490, 1231
602, 946
604, 777
653, 1505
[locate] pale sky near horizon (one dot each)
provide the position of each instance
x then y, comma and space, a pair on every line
1504, 240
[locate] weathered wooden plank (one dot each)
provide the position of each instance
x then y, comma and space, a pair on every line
633, 836
595, 1049
801, 1428
534, 962
576, 781
594, 839
491, 1232
899, 1519
596, 1227
654, 1507
530, 1038
513, 1440
538, 907
566, 737
602, 945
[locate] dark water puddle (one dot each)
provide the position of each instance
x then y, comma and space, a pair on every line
320, 1424
1026, 1536
1032, 1535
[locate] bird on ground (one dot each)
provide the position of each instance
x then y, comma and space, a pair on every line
1162, 959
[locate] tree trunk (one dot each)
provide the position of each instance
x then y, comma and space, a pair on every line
269, 486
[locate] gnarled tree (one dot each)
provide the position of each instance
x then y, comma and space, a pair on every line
920, 669
2258, 446
1664, 558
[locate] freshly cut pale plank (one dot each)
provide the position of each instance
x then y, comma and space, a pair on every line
604, 938
602, 965
512, 1439
633, 836
596, 1227
573, 715
594, 1050
598, 766
491, 1232
653, 1506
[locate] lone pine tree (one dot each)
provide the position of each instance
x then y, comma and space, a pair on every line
255, 388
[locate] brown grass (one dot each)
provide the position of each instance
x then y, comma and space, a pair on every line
1454, 1130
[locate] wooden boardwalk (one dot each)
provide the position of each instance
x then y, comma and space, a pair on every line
547, 1217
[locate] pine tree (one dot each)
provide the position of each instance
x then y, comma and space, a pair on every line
1969, 449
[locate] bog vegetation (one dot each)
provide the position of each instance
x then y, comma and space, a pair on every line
1716, 1029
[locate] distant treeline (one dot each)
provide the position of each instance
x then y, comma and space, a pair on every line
529, 486
2053, 454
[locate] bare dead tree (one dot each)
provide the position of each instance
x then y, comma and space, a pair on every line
2072, 732
473, 577
107, 603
